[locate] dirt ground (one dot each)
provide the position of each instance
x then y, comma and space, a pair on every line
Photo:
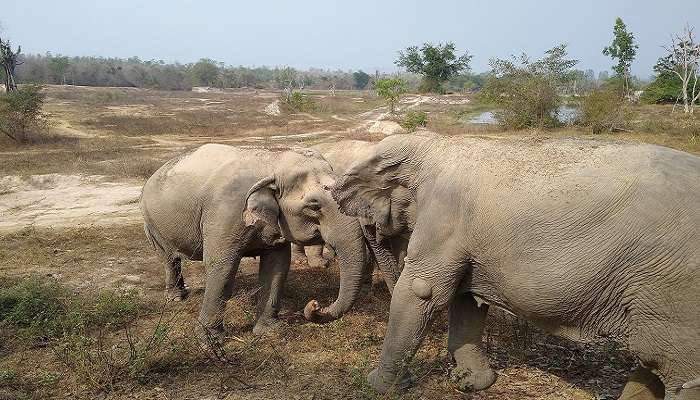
69, 211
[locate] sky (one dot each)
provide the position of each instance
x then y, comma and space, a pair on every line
333, 34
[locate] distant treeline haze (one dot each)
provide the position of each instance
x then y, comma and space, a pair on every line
156, 74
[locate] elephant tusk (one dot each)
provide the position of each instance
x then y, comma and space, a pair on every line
692, 384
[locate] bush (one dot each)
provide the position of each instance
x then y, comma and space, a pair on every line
21, 113
413, 119
299, 102
42, 310
33, 305
666, 88
523, 101
81, 330
604, 110
526, 92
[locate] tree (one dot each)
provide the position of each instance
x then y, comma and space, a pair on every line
682, 61
528, 93
390, 89
58, 66
8, 61
361, 79
436, 63
284, 79
205, 72
624, 50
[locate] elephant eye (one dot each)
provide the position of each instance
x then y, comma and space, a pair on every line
313, 205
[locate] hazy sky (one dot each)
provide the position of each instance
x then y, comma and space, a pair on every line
331, 34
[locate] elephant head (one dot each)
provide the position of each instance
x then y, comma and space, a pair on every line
295, 200
380, 196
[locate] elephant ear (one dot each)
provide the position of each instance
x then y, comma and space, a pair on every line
365, 191
260, 204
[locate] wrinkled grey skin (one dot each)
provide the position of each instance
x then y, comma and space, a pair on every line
220, 204
585, 239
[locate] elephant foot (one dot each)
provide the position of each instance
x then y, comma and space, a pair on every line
473, 379
211, 337
267, 326
472, 372
384, 383
317, 262
177, 294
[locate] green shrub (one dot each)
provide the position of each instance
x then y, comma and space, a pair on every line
299, 102
605, 110
413, 119
666, 88
527, 92
523, 101
21, 113
42, 310
33, 305
92, 334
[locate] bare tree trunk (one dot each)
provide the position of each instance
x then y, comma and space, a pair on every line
684, 60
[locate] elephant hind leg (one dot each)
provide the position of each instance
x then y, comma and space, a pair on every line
466, 325
314, 256
643, 385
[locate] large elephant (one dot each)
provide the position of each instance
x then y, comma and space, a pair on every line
220, 203
586, 239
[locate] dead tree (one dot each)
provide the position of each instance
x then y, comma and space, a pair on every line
8, 60
682, 61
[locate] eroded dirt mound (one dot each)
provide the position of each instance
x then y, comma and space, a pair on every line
54, 200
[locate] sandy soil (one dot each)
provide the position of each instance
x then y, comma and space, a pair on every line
55, 200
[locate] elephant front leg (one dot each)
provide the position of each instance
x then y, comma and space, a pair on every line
274, 266
221, 273
409, 318
466, 325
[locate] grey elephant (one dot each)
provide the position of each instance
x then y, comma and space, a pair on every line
220, 203
340, 155
586, 239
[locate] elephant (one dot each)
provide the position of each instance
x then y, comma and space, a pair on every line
586, 239
341, 155
220, 203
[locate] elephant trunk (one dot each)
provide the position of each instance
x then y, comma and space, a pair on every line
347, 240
386, 261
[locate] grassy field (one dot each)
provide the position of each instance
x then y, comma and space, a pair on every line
81, 307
